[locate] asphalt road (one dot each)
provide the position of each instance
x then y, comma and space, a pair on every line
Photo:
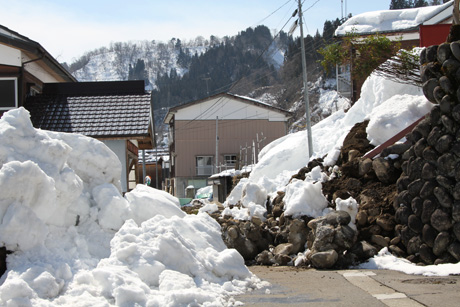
292, 286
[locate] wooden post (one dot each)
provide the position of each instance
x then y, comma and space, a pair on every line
456, 13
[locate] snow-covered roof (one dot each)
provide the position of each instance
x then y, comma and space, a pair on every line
395, 20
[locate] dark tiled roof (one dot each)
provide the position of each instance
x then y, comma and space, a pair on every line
99, 116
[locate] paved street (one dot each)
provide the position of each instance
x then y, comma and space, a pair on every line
302, 287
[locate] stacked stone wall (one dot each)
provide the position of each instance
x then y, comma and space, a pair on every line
428, 202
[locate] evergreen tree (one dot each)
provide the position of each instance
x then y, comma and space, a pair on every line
328, 30
138, 72
399, 4
404, 4
420, 3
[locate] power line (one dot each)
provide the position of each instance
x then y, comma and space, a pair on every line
258, 23
212, 109
243, 76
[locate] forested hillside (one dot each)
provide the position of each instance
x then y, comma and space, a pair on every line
255, 63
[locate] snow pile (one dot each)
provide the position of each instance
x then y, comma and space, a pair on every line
209, 207
349, 205
382, 116
389, 106
331, 101
77, 241
304, 198
380, 103
390, 20
253, 198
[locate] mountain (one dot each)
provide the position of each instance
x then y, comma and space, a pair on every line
151, 60
254, 63
119, 59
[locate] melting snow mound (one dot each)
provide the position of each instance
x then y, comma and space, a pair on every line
77, 241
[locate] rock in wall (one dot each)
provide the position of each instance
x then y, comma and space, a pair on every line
428, 202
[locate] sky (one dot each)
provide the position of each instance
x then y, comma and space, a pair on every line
67, 29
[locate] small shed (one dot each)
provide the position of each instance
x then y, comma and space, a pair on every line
118, 113
221, 186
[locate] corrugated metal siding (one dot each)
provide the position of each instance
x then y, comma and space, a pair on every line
197, 138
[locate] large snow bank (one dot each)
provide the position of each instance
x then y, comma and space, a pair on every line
77, 241
388, 105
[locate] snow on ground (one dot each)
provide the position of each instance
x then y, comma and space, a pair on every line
385, 260
77, 241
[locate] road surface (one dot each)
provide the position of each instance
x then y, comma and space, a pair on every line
292, 286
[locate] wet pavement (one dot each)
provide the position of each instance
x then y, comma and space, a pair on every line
292, 286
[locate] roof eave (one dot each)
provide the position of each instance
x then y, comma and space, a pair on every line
35, 48
174, 110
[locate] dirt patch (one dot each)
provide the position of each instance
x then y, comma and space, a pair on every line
368, 191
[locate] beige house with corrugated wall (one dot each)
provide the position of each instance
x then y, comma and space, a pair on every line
243, 127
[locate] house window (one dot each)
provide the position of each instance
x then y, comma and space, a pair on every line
8, 93
230, 161
204, 165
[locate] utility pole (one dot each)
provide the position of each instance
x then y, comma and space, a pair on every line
342, 8
217, 144
304, 70
207, 88
144, 170
156, 166
344, 16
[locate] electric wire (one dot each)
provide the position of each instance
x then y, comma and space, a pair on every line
233, 85
317, 68
212, 108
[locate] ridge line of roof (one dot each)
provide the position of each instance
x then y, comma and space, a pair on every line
242, 98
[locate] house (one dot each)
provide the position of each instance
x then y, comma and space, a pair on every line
24, 67
218, 132
416, 27
118, 113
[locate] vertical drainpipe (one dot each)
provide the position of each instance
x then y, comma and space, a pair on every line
144, 170
21, 80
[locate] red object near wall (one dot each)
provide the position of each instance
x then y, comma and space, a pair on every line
433, 34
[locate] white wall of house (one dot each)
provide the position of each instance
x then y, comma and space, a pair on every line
38, 71
119, 148
10, 56
227, 108
14, 57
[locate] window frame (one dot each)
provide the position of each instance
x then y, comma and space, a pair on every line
204, 170
235, 160
16, 98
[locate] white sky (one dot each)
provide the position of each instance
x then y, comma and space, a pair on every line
69, 28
